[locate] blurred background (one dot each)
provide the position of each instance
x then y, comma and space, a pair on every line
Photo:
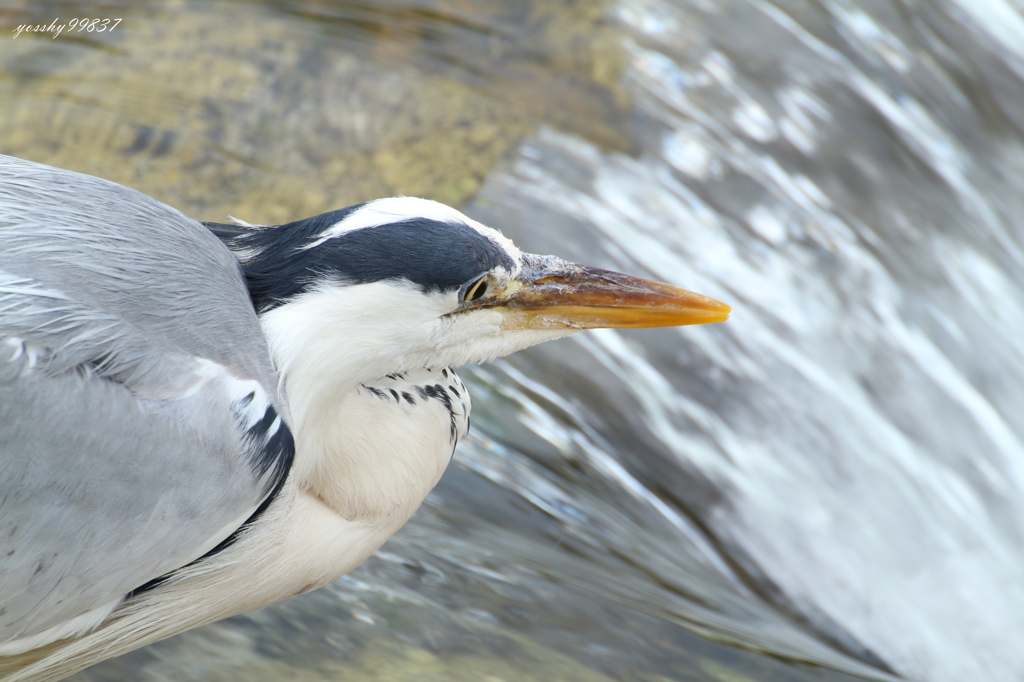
826, 487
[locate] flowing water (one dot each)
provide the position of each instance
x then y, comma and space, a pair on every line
831, 478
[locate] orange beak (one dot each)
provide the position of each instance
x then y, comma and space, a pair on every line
553, 293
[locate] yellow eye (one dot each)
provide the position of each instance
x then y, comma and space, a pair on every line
475, 290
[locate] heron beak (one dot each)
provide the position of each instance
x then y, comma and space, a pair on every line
551, 293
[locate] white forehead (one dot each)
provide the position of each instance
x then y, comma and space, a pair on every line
393, 210
396, 209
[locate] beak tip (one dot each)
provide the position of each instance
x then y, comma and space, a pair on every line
711, 310
710, 316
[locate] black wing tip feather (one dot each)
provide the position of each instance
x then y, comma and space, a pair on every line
273, 455
274, 451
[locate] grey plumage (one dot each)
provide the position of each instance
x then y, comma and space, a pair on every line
127, 342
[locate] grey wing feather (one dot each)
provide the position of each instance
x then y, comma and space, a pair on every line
138, 403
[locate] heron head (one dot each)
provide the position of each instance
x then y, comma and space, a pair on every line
404, 283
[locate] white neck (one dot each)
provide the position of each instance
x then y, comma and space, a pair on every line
352, 451
365, 454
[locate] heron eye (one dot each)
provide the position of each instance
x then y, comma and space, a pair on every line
476, 290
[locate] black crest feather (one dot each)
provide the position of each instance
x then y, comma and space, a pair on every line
433, 255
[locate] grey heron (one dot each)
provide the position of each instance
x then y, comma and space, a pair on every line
198, 419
